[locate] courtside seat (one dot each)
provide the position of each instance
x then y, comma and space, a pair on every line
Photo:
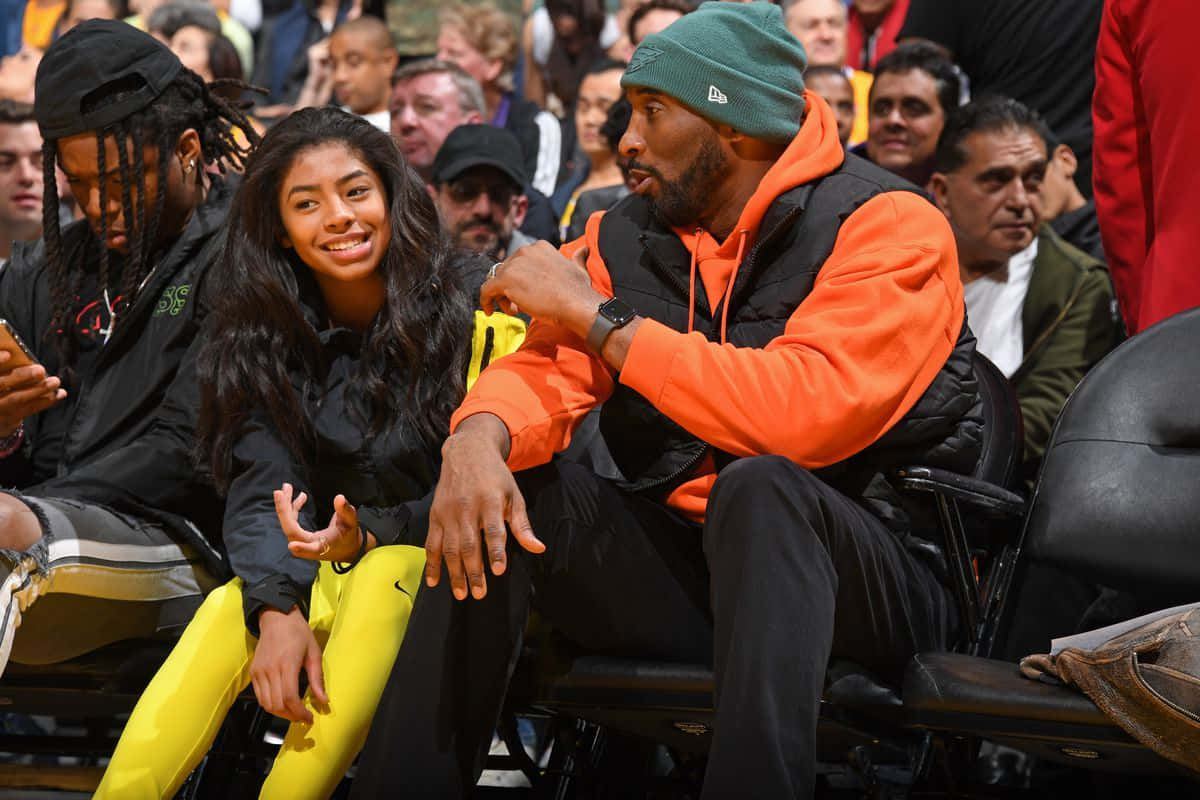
962, 695
1116, 504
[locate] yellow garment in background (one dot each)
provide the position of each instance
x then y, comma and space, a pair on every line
37, 28
358, 618
860, 84
495, 335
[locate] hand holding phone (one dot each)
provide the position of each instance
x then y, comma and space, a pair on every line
25, 389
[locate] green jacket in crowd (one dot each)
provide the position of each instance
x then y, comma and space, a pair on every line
1069, 323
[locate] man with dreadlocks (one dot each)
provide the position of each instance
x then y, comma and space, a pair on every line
100, 526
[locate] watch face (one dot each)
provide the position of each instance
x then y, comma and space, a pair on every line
618, 311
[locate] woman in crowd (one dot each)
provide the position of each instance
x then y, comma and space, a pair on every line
482, 40
599, 91
338, 349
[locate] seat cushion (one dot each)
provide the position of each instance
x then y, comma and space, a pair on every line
941, 685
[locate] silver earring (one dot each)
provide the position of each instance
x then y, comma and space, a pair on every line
189, 167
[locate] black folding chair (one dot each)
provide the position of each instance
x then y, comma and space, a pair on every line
1117, 504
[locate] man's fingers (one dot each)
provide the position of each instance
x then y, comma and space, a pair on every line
522, 530
433, 554
299, 502
24, 378
452, 554
494, 537
28, 401
488, 294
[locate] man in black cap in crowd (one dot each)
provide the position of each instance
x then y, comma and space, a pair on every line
98, 527
478, 175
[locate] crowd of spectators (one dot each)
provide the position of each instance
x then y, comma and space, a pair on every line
1065, 219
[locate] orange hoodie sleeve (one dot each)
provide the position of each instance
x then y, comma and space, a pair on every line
548, 385
882, 318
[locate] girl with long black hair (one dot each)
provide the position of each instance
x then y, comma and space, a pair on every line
338, 347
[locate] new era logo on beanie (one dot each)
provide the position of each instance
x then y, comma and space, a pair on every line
734, 63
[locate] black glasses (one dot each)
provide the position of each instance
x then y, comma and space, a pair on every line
467, 188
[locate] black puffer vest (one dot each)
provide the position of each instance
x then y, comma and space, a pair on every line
649, 266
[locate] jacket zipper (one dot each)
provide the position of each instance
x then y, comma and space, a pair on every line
687, 467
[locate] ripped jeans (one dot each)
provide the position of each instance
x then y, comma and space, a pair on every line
95, 577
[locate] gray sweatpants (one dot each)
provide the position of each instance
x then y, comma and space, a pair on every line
96, 577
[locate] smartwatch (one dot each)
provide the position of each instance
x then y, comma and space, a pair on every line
612, 314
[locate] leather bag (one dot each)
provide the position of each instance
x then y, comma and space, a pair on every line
1146, 679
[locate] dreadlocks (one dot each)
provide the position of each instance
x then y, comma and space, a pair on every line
187, 102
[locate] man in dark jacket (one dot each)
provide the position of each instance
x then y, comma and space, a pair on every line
1043, 310
1068, 212
102, 513
785, 327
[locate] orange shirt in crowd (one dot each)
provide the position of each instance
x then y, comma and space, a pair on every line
855, 356
37, 28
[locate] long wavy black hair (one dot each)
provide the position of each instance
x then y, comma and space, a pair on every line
186, 102
412, 369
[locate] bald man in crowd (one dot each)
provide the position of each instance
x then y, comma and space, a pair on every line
362, 59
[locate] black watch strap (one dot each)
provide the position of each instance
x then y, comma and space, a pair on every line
612, 314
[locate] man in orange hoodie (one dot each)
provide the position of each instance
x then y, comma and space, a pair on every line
772, 327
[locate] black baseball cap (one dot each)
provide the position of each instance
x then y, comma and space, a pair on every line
88, 57
470, 146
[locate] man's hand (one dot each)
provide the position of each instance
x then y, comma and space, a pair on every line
285, 646
476, 491
338, 542
539, 281
24, 391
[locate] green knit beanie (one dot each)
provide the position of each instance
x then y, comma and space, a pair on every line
735, 63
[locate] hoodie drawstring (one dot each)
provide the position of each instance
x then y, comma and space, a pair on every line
737, 263
692, 285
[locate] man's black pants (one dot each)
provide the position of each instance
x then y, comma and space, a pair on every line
785, 572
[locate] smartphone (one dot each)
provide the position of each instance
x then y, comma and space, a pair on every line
21, 356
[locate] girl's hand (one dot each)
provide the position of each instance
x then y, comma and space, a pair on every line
286, 645
338, 542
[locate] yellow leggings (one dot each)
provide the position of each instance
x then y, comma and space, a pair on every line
358, 618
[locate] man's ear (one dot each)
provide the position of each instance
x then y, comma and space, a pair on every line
939, 187
519, 209
188, 150
473, 118
1065, 157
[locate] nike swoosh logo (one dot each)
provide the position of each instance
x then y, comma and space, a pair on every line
401, 588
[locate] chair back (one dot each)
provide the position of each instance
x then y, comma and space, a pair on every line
1118, 499
1003, 430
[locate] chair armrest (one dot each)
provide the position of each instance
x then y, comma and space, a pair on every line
979, 494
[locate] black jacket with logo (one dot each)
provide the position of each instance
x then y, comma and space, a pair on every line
123, 436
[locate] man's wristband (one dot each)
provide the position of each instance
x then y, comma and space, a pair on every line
612, 314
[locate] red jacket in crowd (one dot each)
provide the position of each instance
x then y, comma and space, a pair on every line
1147, 129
